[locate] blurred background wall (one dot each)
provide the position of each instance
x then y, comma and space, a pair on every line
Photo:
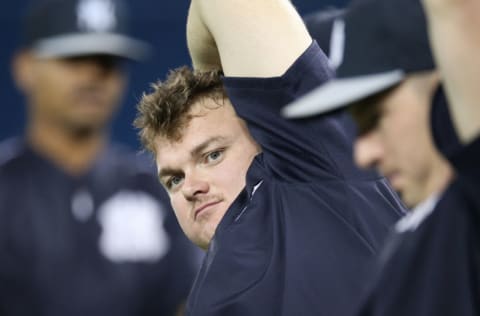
160, 22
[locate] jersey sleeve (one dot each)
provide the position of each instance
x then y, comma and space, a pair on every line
464, 158
303, 150
443, 132
467, 168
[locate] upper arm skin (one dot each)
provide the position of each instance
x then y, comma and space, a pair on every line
201, 45
455, 36
256, 38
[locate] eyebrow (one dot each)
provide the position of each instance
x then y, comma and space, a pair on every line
202, 146
194, 152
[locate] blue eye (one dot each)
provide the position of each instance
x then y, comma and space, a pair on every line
174, 182
214, 156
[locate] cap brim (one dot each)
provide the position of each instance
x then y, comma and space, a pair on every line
89, 44
339, 93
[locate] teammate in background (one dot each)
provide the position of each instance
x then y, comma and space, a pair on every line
288, 221
388, 77
85, 229
391, 96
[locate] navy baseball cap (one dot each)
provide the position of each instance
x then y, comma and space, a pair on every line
384, 40
68, 28
322, 25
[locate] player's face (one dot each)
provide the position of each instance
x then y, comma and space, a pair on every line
401, 147
205, 171
78, 93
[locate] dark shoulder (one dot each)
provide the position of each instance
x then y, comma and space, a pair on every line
12, 153
13, 165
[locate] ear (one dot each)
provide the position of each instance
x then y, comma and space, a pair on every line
22, 68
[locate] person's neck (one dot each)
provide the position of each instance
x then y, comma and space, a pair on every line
72, 152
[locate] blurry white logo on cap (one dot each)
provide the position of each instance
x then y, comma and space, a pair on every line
337, 43
96, 15
132, 228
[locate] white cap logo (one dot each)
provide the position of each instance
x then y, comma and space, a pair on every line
337, 43
96, 15
132, 228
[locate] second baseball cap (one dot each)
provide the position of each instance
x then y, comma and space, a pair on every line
384, 40
66, 28
321, 25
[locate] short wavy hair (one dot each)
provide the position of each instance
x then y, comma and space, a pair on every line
166, 111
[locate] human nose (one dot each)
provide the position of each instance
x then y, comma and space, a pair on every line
368, 150
195, 185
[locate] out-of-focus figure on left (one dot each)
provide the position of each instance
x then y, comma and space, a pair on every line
85, 229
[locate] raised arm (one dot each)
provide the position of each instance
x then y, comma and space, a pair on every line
251, 38
455, 36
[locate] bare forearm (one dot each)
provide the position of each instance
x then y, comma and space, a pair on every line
455, 36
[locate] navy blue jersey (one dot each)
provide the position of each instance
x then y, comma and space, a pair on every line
430, 270
466, 163
434, 269
298, 237
101, 244
443, 132
464, 158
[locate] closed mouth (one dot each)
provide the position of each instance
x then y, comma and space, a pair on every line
205, 206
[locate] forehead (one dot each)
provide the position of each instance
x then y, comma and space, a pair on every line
366, 114
207, 121
105, 62
368, 111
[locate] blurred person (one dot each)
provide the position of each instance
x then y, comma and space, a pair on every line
85, 227
413, 165
389, 80
390, 93
288, 221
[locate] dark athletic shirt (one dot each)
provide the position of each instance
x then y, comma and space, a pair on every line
105, 243
298, 238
